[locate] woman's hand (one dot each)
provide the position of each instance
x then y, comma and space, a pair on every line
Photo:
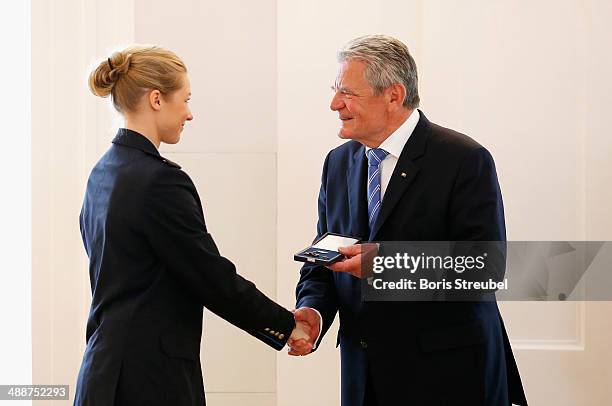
300, 341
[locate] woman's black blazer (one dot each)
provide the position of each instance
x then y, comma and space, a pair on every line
153, 267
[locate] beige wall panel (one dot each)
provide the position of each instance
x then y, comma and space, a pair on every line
548, 323
598, 145
572, 377
238, 193
245, 399
234, 361
510, 74
230, 51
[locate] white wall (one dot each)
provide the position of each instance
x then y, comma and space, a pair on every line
529, 80
15, 206
67, 128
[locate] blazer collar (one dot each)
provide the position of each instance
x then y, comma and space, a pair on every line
132, 139
356, 177
415, 146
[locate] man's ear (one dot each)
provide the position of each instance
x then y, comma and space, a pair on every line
155, 99
396, 94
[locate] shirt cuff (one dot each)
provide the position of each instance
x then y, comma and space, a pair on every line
314, 347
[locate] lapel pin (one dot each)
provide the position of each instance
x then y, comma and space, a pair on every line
404, 174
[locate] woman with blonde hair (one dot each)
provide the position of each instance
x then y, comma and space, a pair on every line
153, 264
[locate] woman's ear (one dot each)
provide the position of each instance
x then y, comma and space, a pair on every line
155, 99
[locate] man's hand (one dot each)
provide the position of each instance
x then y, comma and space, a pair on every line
299, 340
299, 343
358, 258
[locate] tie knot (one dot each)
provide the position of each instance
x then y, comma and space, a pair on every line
376, 156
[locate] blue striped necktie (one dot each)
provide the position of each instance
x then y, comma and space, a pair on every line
375, 158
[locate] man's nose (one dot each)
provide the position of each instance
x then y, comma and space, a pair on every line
336, 102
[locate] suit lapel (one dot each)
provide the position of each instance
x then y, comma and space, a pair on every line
356, 175
404, 173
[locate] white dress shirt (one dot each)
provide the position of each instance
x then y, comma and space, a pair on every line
394, 144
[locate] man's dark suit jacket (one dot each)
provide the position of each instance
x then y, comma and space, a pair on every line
153, 266
415, 353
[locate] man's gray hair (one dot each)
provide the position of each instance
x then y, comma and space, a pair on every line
388, 62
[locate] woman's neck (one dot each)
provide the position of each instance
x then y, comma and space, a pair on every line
144, 127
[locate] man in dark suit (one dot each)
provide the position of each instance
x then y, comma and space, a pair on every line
403, 178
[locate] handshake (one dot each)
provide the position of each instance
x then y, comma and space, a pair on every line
306, 331
307, 320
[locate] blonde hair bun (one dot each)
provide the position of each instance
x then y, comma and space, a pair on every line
126, 75
104, 77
